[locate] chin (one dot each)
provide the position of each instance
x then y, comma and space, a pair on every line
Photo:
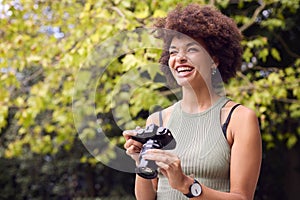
191, 83
183, 83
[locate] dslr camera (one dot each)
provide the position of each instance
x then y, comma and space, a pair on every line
152, 137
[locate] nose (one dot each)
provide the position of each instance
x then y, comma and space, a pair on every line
181, 57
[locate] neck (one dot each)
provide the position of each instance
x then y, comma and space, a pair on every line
198, 100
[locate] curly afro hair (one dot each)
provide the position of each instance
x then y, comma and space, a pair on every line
219, 33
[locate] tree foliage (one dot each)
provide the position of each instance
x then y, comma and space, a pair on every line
44, 44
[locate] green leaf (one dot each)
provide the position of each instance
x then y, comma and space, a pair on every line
263, 54
292, 140
275, 54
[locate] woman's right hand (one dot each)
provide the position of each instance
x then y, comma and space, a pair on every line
132, 147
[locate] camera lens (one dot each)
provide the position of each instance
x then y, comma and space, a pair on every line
153, 137
146, 172
146, 168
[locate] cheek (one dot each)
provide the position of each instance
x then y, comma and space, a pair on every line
171, 62
203, 62
171, 65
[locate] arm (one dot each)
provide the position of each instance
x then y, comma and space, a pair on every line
145, 189
246, 153
245, 161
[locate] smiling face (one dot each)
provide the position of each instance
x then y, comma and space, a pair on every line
189, 62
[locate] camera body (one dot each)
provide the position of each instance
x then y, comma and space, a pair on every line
152, 137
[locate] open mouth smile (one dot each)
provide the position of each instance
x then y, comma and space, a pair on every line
184, 70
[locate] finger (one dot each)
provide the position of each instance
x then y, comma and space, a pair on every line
166, 158
163, 166
133, 150
164, 172
131, 142
162, 153
128, 133
156, 157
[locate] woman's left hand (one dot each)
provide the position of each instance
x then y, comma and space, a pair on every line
169, 165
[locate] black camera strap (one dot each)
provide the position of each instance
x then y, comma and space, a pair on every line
160, 119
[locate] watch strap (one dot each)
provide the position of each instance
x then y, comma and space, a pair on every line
190, 195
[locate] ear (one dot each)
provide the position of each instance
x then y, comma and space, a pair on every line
215, 62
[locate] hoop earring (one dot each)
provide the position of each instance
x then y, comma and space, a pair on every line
213, 71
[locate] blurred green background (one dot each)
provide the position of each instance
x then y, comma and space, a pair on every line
44, 43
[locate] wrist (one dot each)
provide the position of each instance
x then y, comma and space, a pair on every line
195, 190
185, 186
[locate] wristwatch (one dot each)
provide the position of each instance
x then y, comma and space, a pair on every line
195, 190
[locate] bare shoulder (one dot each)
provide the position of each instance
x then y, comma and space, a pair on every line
240, 113
245, 114
154, 117
244, 122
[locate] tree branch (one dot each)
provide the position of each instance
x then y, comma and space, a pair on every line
253, 18
33, 76
117, 10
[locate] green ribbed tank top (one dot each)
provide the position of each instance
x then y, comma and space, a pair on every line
201, 147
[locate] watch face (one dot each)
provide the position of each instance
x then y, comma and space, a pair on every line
196, 189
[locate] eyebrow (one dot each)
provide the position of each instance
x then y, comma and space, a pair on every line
188, 45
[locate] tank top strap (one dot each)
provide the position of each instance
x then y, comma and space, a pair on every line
225, 125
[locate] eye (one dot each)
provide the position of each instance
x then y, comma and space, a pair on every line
193, 49
173, 52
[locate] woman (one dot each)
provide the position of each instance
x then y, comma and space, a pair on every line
218, 152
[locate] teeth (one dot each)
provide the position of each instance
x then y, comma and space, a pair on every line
183, 69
